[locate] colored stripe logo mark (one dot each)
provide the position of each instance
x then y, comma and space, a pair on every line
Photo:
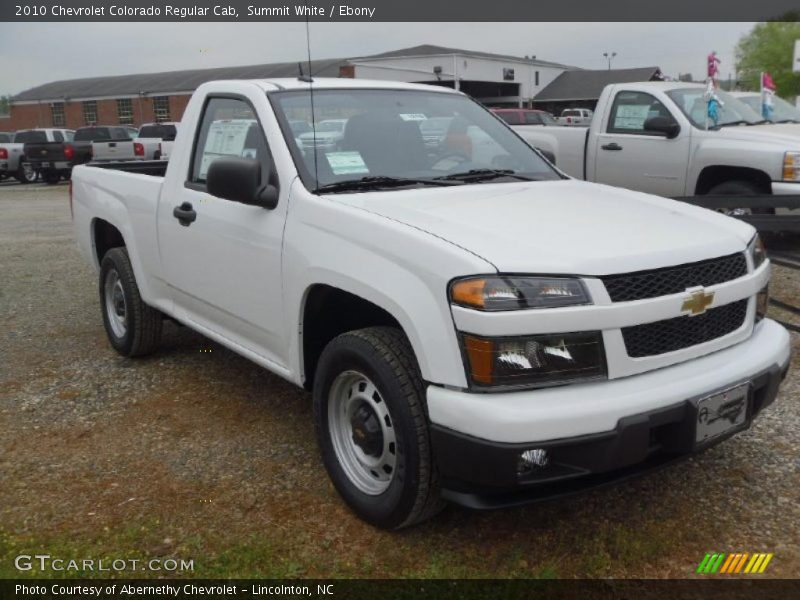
733, 563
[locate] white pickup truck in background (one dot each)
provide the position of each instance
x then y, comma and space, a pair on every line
162, 134
474, 326
116, 143
652, 137
576, 117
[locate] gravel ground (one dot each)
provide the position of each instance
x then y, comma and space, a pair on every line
197, 453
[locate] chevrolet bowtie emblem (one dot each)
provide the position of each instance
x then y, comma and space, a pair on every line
698, 302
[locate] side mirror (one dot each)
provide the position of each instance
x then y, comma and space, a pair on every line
665, 126
239, 180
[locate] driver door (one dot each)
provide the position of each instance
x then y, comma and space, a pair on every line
627, 156
224, 267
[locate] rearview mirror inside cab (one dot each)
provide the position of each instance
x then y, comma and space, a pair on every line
239, 180
663, 126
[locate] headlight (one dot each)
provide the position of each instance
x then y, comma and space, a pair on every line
757, 251
534, 360
791, 166
516, 293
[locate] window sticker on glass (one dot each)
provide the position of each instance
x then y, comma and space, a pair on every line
346, 163
413, 117
225, 138
631, 116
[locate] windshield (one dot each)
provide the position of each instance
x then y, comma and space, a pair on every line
692, 103
547, 118
5, 137
571, 113
782, 110
403, 135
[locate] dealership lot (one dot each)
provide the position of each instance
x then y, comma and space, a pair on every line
196, 453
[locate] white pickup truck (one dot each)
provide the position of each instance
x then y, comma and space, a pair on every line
576, 117
482, 331
652, 137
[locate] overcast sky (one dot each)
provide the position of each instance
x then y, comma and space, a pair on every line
36, 53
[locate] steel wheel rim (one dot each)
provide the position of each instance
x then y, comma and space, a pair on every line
116, 306
351, 397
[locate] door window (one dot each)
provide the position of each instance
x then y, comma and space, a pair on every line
631, 109
229, 127
532, 118
57, 137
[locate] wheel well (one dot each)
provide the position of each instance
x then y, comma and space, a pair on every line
711, 176
105, 236
329, 312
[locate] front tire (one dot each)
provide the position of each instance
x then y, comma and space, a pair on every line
372, 428
740, 188
133, 327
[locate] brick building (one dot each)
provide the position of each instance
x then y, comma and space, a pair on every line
135, 99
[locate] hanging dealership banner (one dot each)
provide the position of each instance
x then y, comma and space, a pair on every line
390, 10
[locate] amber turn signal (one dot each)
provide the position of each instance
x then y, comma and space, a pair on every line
469, 292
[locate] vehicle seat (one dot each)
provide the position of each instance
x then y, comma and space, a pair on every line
387, 144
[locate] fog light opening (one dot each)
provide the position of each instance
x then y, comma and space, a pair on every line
533, 459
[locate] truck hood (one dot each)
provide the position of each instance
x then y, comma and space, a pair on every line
786, 136
782, 129
566, 227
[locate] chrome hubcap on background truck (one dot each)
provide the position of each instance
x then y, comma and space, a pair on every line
362, 432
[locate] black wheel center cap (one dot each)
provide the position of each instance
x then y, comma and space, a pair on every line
367, 433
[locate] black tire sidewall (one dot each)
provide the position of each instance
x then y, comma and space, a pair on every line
116, 259
390, 508
743, 188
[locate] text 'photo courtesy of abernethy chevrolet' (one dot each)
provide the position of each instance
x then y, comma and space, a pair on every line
517, 300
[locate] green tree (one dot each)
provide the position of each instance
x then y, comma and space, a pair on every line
770, 47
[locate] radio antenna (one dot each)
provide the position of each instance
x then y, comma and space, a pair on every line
310, 80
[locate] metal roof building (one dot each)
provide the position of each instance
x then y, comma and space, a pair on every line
581, 89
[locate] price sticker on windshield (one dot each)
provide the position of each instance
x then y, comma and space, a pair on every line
346, 163
413, 117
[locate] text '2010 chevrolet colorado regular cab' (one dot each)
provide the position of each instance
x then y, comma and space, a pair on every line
475, 326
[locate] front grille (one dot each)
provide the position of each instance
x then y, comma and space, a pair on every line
677, 333
673, 280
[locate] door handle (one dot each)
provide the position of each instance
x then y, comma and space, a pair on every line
611, 146
185, 214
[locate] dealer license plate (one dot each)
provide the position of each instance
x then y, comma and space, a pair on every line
721, 413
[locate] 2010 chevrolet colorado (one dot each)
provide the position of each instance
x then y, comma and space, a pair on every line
475, 325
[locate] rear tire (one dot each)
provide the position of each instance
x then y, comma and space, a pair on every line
741, 188
372, 428
133, 327
26, 173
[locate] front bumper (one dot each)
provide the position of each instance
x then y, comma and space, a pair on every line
595, 433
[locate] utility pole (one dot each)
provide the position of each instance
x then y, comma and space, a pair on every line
609, 57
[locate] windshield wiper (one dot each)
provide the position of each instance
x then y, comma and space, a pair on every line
374, 182
484, 175
739, 122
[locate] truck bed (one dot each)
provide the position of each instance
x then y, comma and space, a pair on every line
567, 144
156, 168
